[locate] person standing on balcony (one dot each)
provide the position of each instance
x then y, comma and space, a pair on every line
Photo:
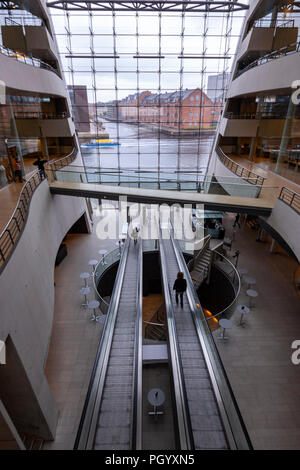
180, 288
40, 164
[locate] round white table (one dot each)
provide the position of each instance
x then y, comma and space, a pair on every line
243, 310
85, 291
85, 276
94, 305
252, 294
250, 281
93, 263
103, 253
156, 397
226, 325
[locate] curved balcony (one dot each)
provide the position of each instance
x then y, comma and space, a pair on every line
20, 57
31, 75
239, 170
274, 72
13, 230
283, 51
290, 198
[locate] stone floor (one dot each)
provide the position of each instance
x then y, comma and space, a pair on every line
257, 356
9, 197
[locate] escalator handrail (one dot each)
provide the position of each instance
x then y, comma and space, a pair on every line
137, 414
85, 436
237, 433
183, 416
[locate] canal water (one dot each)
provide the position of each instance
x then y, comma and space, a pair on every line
146, 149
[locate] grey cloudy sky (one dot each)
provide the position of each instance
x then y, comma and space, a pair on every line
201, 35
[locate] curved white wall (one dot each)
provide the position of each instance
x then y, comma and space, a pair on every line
287, 223
27, 290
234, 185
23, 77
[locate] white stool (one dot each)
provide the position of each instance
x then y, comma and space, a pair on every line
252, 294
242, 272
243, 310
93, 305
250, 281
85, 276
226, 325
93, 263
103, 253
85, 291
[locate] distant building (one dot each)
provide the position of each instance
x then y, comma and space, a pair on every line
179, 110
112, 111
217, 86
80, 107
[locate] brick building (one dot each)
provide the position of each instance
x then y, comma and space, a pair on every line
181, 110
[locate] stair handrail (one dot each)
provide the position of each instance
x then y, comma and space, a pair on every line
88, 421
137, 406
11, 233
155, 319
194, 260
232, 417
183, 415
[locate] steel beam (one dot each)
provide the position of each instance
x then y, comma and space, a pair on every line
157, 6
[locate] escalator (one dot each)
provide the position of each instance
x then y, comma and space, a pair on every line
111, 417
207, 414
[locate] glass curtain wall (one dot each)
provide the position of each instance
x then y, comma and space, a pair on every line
152, 83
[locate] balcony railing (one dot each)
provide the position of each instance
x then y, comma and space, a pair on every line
279, 23
22, 21
290, 198
239, 170
20, 57
284, 51
261, 115
39, 115
13, 230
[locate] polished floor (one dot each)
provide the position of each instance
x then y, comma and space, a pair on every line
257, 356
75, 338
8, 199
274, 182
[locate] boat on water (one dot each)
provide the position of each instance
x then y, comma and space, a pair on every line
100, 143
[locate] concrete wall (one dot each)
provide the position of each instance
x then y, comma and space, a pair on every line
258, 40
27, 294
9, 438
287, 223
277, 74
238, 127
45, 127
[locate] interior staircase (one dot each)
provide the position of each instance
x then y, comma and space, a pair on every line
32, 442
156, 328
201, 264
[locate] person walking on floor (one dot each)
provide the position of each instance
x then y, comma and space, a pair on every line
40, 164
237, 221
18, 170
180, 288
